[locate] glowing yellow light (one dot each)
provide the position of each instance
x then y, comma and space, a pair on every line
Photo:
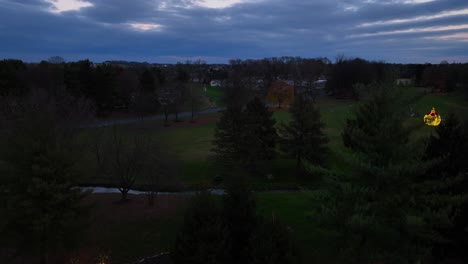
432, 118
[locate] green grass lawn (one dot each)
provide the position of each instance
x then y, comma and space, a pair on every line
192, 144
215, 93
294, 209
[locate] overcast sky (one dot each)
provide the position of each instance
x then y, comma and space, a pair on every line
218, 30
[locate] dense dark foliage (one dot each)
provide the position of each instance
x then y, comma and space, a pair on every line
303, 137
41, 210
383, 209
228, 136
449, 145
200, 239
247, 138
258, 136
231, 232
273, 243
239, 222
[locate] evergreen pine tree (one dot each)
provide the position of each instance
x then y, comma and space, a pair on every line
303, 138
376, 212
272, 243
239, 220
233, 234
246, 138
200, 238
42, 209
449, 146
228, 137
449, 142
259, 136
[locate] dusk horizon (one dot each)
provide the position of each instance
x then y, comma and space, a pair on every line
215, 31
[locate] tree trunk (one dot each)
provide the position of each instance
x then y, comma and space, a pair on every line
360, 250
298, 166
43, 248
191, 120
124, 194
166, 116
151, 196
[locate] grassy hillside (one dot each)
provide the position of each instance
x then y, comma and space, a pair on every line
190, 144
140, 231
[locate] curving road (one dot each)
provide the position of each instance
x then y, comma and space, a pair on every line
96, 189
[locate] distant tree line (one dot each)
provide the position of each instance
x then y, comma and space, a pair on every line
143, 87
343, 74
110, 87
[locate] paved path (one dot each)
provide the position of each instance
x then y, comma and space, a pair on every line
212, 191
148, 118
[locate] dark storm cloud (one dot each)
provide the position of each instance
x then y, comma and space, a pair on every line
114, 29
113, 11
37, 3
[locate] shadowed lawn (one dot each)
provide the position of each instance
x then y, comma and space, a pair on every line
215, 94
294, 210
130, 231
191, 144
148, 232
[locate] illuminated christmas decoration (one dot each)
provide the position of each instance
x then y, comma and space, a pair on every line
432, 118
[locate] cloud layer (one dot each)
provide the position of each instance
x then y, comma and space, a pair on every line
218, 30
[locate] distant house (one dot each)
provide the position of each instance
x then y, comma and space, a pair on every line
320, 84
216, 83
404, 82
259, 83
289, 82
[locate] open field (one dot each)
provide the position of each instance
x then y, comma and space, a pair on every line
215, 94
190, 143
129, 231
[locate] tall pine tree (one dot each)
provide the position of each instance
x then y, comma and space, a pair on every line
246, 138
228, 137
303, 138
258, 137
272, 242
200, 240
449, 146
42, 209
233, 234
377, 212
239, 220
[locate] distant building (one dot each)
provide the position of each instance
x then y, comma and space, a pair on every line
289, 82
216, 83
320, 84
404, 82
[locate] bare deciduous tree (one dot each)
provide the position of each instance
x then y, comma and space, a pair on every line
120, 160
135, 163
